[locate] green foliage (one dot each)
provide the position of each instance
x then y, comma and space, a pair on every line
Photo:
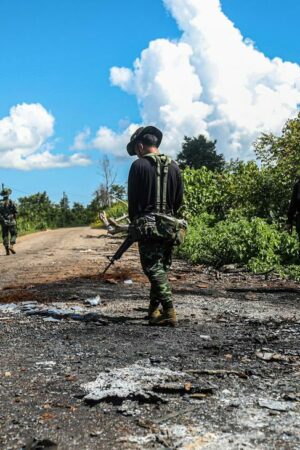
236, 215
291, 271
253, 243
243, 187
117, 210
199, 152
118, 191
38, 212
280, 156
281, 152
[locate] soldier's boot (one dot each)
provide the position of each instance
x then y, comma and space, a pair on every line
168, 318
153, 313
12, 250
7, 250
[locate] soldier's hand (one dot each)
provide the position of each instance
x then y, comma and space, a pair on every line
289, 228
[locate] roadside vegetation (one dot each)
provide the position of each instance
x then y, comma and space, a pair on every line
37, 212
237, 211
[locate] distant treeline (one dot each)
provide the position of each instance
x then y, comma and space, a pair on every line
38, 212
236, 210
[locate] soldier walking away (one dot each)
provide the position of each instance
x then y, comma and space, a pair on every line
294, 209
8, 216
155, 192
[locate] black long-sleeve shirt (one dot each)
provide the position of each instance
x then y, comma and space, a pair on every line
142, 188
294, 207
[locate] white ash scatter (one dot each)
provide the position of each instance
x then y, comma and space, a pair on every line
132, 382
8, 308
183, 437
193, 437
57, 311
93, 301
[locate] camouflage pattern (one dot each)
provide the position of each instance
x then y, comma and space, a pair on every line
158, 226
9, 230
156, 260
8, 212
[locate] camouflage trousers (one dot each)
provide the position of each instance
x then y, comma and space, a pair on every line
156, 260
9, 235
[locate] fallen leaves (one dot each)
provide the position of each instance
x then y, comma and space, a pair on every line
70, 377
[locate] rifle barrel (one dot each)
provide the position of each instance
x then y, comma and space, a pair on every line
106, 268
122, 249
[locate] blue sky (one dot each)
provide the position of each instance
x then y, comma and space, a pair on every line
59, 53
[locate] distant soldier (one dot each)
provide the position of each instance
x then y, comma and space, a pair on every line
8, 216
294, 208
155, 192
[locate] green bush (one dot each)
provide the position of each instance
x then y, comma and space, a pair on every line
115, 211
253, 243
241, 187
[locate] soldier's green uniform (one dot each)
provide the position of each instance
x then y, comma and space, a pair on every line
156, 260
155, 189
8, 215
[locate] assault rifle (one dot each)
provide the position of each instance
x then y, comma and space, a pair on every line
121, 250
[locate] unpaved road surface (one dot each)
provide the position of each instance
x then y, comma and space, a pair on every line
52, 255
237, 344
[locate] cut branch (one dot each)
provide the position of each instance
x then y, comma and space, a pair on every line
112, 225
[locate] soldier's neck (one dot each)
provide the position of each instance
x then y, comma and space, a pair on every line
151, 150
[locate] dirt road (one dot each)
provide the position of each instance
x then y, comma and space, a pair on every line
52, 255
236, 348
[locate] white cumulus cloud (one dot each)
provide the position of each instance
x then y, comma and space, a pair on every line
24, 144
105, 139
211, 81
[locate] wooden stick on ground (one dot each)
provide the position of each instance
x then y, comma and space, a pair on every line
218, 372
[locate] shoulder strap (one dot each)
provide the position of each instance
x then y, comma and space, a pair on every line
165, 164
162, 163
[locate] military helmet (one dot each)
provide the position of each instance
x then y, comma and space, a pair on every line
5, 192
139, 133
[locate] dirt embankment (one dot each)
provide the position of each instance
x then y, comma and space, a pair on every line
236, 349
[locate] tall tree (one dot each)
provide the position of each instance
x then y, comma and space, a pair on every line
65, 214
281, 152
108, 174
118, 192
280, 157
198, 152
